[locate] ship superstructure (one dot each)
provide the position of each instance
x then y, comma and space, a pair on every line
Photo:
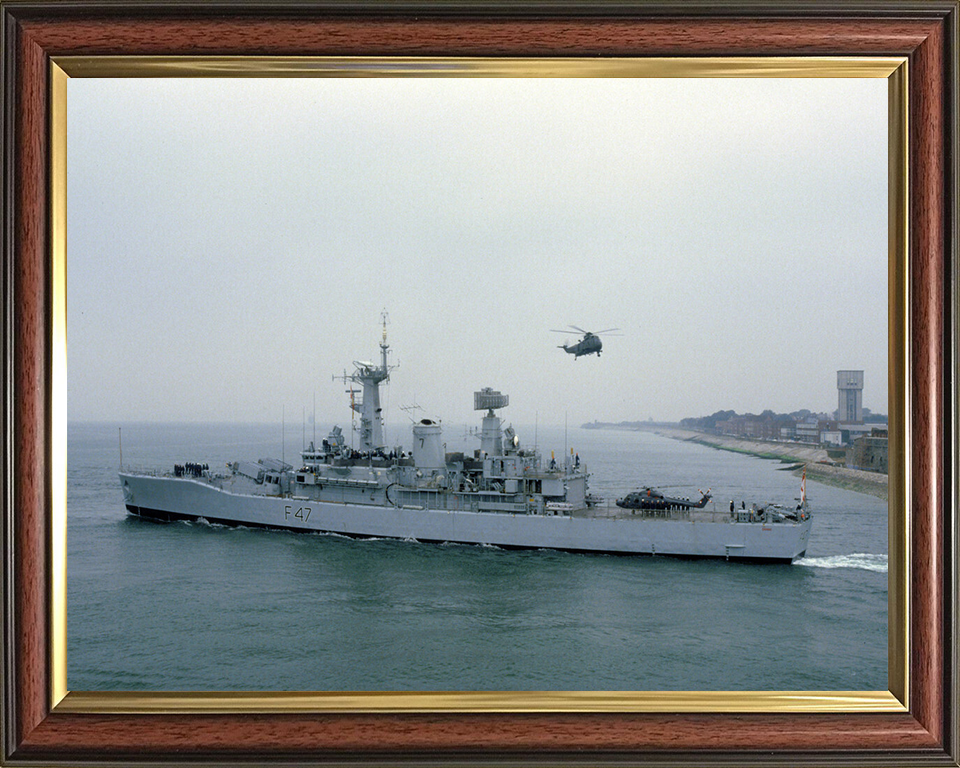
370, 377
503, 494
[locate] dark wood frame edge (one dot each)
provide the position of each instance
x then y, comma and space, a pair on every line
487, 9
32, 735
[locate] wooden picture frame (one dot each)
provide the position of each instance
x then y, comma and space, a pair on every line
38, 731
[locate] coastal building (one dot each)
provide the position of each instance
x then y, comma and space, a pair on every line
763, 427
831, 437
850, 396
808, 430
850, 422
851, 432
869, 452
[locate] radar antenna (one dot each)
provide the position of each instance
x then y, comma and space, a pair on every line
410, 410
491, 438
487, 399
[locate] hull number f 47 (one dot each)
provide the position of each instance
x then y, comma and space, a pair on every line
301, 513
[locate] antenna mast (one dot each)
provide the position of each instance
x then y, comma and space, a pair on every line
369, 377
491, 438
410, 409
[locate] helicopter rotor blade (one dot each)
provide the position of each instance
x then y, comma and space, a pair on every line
597, 333
572, 333
579, 329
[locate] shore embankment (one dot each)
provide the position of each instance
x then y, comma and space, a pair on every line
818, 464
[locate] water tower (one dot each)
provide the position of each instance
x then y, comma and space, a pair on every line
850, 397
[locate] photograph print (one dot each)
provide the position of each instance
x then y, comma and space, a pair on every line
477, 384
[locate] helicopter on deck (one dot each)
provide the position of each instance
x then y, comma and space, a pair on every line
651, 498
588, 345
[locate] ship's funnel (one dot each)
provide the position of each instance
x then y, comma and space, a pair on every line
427, 448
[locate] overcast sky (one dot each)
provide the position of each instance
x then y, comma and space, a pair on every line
232, 243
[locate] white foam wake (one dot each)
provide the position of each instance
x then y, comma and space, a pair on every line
204, 522
863, 561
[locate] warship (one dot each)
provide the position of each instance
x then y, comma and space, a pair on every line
503, 494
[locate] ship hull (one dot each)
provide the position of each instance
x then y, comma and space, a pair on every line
170, 499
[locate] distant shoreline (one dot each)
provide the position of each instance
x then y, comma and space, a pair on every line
799, 455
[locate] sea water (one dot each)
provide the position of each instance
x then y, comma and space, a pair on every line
190, 606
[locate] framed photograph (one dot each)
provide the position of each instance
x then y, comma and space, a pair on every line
64, 65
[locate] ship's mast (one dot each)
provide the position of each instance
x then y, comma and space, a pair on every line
383, 342
369, 377
491, 438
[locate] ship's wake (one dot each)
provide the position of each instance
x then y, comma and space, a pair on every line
204, 523
859, 560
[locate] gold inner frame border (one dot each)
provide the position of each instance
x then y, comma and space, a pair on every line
895, 699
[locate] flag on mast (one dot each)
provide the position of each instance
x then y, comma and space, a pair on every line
803, 486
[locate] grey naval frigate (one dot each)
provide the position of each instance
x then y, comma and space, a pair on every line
503, 494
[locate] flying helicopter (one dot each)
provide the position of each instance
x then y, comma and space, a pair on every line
652, 498
588, 345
